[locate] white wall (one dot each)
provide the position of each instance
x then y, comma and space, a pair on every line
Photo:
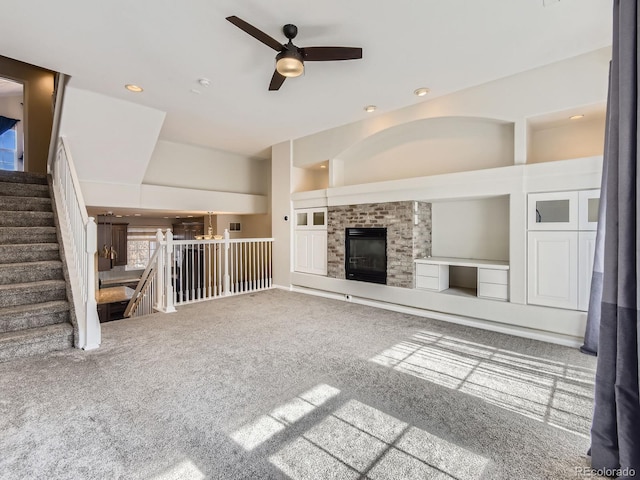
186, 166
562, 86
471, 229
555, 87
429, 147
11, 107
111, 140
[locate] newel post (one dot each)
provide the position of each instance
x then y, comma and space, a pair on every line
93, 336
226, 278
160, 275
168, 267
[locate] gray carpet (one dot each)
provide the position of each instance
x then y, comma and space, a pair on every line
285, 385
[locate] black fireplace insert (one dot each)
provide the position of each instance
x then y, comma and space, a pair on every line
366, 255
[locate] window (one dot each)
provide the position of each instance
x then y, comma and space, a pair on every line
141, 244
8, 147
234, 227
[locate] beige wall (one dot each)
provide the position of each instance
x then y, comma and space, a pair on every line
38, 110
576, 139
471, 228
252, 226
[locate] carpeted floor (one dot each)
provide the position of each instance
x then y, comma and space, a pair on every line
285, 385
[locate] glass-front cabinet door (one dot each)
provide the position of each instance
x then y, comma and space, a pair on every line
589, 204
553, 211
311, 218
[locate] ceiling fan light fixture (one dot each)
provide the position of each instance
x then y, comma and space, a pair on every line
289, 64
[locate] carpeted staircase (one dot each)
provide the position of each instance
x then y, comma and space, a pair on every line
34, 311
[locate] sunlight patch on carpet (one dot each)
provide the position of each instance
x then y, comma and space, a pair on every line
255, 433
555, 393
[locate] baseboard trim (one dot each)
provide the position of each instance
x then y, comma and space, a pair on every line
548, 337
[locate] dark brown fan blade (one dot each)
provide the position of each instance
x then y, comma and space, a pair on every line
324, 54
276, 81
255, 33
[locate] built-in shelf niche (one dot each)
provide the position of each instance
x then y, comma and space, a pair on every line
311, 177
476, 228
574, 133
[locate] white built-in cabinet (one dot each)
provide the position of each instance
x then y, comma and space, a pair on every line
561, 247
310, 250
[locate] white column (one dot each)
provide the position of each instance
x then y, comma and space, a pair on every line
281, 213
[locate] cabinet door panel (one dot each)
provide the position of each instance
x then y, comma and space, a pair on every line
303, 252
319, 253
553, 269
119, 238
586, 251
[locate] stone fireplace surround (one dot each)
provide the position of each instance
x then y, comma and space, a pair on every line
406, 241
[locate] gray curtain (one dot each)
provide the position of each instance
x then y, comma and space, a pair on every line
615, 431
592, 332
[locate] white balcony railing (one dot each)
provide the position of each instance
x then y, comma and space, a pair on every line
187, 271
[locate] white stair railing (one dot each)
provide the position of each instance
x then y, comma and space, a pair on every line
79, 237
144, 297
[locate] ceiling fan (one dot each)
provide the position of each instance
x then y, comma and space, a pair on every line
290, 58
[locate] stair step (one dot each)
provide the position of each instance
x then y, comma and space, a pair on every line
26, 272
35, 341
13, 235
32, 316
25, 293
26, 219
23, 177
32, 204
12, 189
31, 252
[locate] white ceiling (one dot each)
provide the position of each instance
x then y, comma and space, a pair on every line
166, 45
9, 88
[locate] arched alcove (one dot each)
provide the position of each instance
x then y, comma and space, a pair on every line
425, 147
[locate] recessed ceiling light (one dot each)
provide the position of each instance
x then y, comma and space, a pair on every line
177, 216
165, 217
133, 88
323, 166
421, 92
205, 82
137, 214
576, 117
189, 216
370, 108
118, 216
